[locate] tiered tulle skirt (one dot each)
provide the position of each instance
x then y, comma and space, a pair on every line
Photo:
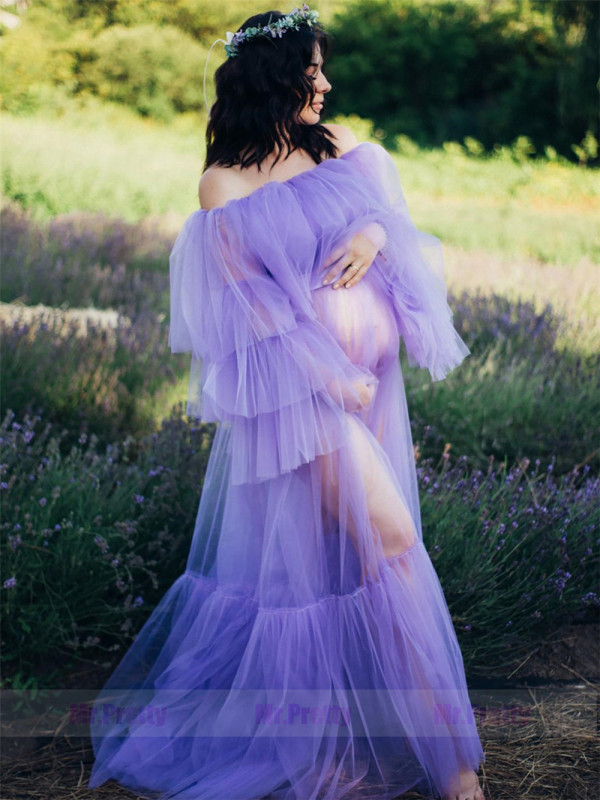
294, 658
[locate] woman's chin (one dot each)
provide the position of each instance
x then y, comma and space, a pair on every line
312, 118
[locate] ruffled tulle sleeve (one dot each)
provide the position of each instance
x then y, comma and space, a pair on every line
412, 263
261, 360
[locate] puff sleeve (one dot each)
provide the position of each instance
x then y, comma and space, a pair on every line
261, 360
411, 262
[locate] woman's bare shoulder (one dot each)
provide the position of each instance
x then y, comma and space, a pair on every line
344, 139
218, 184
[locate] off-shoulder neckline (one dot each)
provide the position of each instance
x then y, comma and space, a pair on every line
288, 181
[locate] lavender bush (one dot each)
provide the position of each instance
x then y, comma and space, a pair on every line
101, 381
517, 395
83, 259
90, 539
511, 328
516, 550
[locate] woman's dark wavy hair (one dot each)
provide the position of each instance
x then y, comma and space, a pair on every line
259, 93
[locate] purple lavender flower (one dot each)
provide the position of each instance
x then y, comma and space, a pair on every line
10, 583
101, 542
591, 598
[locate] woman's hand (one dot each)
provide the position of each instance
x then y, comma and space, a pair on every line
354, 396
365, 392
357, 254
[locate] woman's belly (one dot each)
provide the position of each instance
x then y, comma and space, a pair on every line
361, 321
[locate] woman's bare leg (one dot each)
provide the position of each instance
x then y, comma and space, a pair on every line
390, 520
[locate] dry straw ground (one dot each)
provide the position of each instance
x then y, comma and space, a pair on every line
553, 755
548, 752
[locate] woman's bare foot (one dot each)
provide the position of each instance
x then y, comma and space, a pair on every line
469, 787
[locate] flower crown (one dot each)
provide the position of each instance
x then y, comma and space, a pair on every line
274, 29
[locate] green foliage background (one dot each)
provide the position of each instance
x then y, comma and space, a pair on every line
440, 71
434, 70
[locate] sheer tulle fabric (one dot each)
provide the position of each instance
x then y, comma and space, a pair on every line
307, 650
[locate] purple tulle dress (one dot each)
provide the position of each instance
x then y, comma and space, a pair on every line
307, 651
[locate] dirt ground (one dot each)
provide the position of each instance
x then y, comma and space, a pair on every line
551, 752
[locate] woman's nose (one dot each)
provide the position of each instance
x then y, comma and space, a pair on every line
324, 85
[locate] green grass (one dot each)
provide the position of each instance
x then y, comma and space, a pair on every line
100, 157
509, 229
537, 209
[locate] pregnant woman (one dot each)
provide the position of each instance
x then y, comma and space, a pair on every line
307, 651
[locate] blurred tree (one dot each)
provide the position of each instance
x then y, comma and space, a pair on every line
156, 70
577, 24
441, 70
200, 18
